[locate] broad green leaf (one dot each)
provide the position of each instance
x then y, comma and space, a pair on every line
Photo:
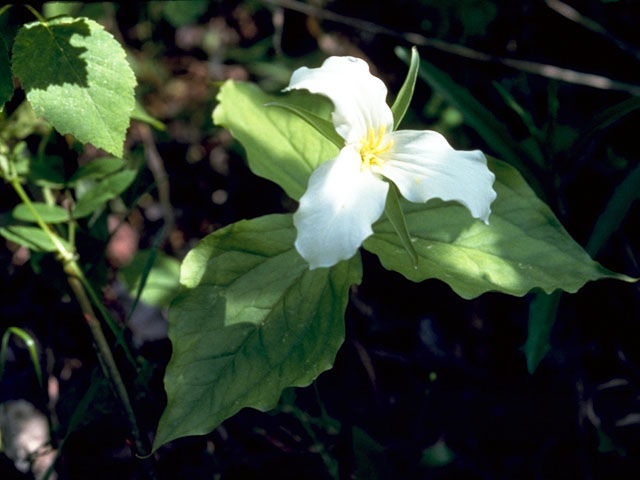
322, 126
97, 169
102, 192
280, 146
252, 319
162, 281
402, 101
76, 75
6, 79
31, 237
48, 213
524, 247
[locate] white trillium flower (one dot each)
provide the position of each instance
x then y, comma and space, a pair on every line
347, 194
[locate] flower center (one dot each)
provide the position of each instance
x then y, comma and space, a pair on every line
373, 145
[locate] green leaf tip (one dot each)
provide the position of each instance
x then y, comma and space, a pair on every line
251, 320
523, 247
401, 104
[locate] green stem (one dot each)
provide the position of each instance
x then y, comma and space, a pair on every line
108, 364
64, 253
5, 8
36, 14
71, 266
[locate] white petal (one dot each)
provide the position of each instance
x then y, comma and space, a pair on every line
359, 98
423, 165
337, 210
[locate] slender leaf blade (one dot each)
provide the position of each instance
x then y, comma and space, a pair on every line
252, 320
542, 315
476, 115
395, 215
76, 75
402, 101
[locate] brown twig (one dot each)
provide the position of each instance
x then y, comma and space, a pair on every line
536, 68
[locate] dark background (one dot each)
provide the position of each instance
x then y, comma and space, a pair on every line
426, 385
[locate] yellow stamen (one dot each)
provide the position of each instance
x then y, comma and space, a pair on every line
374, 145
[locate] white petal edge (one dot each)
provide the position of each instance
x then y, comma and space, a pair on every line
337, 210
424, 166
358, 97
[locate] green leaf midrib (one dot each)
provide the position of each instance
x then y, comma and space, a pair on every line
229, 364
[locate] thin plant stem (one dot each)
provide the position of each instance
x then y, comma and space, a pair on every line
109, 367
67, 257
64, 252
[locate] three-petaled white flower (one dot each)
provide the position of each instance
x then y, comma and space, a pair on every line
347, 194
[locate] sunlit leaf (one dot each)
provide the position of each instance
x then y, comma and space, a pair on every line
252, 319
48, 213
280, 146
524, 247
161, 281
76, 75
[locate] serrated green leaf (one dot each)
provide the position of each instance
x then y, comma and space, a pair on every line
48, 213
97, 169
102, 192
402, 101
76, 75
6, 79
251, 320
524, 247
162, 281
31, 237
268, 134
